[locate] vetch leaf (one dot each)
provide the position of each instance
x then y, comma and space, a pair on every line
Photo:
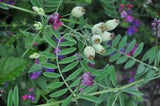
16, 96
122, 43
74, 74
58, 93
138, 50
35, 67
67, 43
90, 98
68, 60
134, 92
55, 85
51, 75
10, 98
67, 51
70, 66
122, 60
47, 55
116, 40
121, 100
131, 46
113, 76
129, 64
114, 57
67, 101
49, 65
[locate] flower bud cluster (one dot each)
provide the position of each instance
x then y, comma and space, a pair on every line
100, 33
38, 10
156, 27
78, 11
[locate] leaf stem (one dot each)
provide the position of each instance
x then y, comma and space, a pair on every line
19, 8
59, 69
31, 44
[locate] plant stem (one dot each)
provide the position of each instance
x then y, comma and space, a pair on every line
59, 69
58, 5
19, 8
152, 67
31, 44
116, 89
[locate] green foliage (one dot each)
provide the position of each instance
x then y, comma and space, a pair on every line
11, 68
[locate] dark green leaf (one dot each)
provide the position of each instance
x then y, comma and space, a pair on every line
55, 85
67, 51
70, 66
131, 46
113, 76
134, 92
116, 40
67, 101
51, 75
129, 64
121, 100
122, 59
10, 98
47, 55
49, 65
138, 50
68, 60
58, 93
35, 67
114, 57
74, 74
122, 43
16, 96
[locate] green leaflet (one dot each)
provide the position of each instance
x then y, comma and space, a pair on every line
122, 43
11, 68
131, 46
74, 74
16, 96
134, 92
114, 57
138, 50
48, 5
55, 85
67, 43
68, 60
90, 98
122, 60
10, 98
51, 75
121, 100
67, 51
113, 76
58, 93
70, 66
47, 55
35, 67
129, 64
116, 40
49, 65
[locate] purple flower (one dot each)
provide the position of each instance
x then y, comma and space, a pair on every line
91, 65
29, 96
50, 70
132, 30
54, 19
135, 23
35, 75
129, 18
122, 50
36, 61
124, 14
131, 80
11, 2
87, 79
129, 12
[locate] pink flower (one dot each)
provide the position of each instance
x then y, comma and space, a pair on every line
129, 6
54, 19
129, 18
87, 79
124, 14
35, 43
25, 97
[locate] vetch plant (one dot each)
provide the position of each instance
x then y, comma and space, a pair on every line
61, 71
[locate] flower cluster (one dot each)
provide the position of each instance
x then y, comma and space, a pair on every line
156, 27
54, 19
29, 95
100, 33
87, 79
126, 14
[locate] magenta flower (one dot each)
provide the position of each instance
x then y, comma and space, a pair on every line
129, 18
54, 19
87, 79
29, 96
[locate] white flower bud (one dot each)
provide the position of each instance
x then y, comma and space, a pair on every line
89, 52
78, 11
38, 10
37, 25
98, 48
34, 56
99, 28
112, 24
106, 36
96, 39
